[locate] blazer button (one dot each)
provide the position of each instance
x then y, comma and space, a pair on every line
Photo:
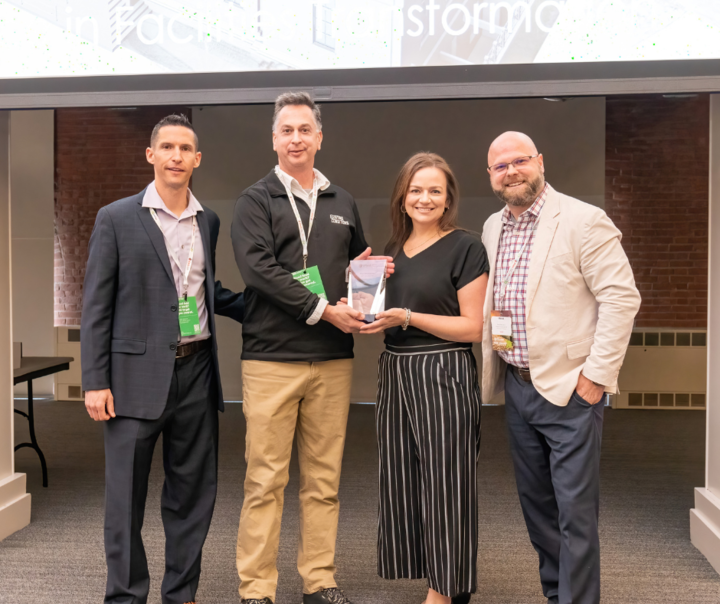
173, 308
173, 347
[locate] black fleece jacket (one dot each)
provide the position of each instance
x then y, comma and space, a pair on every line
268, 250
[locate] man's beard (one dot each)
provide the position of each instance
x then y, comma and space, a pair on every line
525, 199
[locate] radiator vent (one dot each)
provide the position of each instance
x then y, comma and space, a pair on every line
75, 392
668, 338
666, 400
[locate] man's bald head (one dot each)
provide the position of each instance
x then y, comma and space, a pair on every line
511, 142
517, 173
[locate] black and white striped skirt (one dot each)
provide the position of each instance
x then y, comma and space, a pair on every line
428, 426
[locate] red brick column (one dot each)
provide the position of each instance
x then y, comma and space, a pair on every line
656, 192
99, 158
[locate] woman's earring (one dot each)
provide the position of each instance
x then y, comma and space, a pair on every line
403, 210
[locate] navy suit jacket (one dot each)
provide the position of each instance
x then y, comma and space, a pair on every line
129, 329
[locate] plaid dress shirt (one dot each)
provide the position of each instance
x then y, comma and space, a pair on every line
514, 235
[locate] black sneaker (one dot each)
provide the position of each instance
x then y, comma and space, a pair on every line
331, 595
257, 601
461, 599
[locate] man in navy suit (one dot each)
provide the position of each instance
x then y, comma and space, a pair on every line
150, 366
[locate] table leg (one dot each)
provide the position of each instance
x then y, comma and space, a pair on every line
33, 440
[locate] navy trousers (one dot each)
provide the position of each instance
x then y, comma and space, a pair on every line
189, 427
556, 454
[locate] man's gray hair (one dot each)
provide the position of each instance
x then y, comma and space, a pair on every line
296, 98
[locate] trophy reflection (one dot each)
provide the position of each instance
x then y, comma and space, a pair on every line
366, 287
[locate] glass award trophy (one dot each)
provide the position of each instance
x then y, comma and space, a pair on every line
366, 287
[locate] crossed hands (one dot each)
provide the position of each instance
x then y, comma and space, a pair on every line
346, 318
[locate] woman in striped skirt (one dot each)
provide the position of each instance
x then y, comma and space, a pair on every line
428, 406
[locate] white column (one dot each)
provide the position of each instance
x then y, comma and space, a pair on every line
14, 501
705, 516
32, 171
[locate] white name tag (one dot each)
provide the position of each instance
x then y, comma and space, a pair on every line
501, 326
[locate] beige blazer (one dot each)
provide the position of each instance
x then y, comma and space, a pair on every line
581, 301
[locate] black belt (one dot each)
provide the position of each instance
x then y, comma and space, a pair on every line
185, 350
523, 373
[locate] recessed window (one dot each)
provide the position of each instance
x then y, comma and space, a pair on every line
652, 339
699, 339
323, 25
666, 399
636, 338
697, 400
667, 339
651, 399
635, 399
682, 400
683, 339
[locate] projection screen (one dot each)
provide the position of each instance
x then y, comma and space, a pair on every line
146, 42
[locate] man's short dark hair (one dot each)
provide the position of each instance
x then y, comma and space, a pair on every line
173, 120
296, 98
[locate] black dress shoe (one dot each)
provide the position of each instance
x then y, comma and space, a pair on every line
461, 599
331, 595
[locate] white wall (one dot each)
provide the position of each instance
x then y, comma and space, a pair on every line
14, 501
31, 173
364, 146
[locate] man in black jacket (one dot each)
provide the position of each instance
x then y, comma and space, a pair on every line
294, 234
150, 367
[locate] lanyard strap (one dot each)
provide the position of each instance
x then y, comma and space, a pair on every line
174, 255
513, 266
313, 204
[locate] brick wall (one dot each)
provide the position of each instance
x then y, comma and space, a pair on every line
656, 192
99, 158
657, 164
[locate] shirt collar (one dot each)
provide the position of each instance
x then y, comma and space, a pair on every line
291, 183
152, 199
529, 215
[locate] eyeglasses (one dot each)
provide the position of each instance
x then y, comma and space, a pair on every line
518, 164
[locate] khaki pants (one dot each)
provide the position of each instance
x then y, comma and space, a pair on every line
280, 400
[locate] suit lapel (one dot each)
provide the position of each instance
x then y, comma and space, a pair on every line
492, 244
209, 275
541, 245
157, 239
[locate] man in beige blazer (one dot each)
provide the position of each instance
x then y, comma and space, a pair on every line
557, 328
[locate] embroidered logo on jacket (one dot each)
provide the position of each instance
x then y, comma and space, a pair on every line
335, 219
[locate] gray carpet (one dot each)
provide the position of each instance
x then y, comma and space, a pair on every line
651, 463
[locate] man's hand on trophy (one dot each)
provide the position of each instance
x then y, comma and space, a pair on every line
389, 267
344, 317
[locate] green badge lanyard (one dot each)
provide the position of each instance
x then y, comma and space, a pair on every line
188, 266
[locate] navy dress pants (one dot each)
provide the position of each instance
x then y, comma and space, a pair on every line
556, 454
189, 427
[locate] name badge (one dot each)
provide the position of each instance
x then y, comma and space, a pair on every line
501, 324
188, 316
310, 278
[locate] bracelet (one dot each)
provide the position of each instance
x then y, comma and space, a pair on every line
407, 319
